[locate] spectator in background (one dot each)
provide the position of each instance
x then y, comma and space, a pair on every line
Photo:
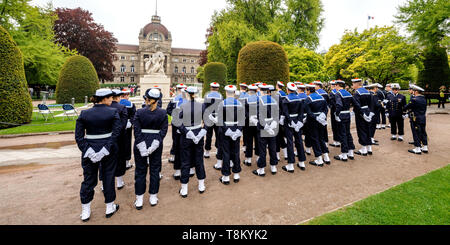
442, 97
427, 94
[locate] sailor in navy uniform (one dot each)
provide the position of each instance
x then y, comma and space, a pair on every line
131, 111
317, 110
376, 107
303, 96
268, 115
121, 157
418, 107
251, 138
243, 94
211, 101
150, 128
324, 94
96, 133
231, 117
173, 110
191, 141
382, 98
388, 93
395, 107
362, 103
292, 112
343, 102
281, 137
332, 112
409, 112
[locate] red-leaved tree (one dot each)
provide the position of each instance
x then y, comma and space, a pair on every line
76, 29
204, 53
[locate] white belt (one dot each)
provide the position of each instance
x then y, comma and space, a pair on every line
317, 113
364, 107
97, 136
150, 131
268, 119
231, 123
344, 112
194, 127
293, 115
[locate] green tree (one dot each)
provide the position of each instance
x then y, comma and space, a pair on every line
281, 21
15, 101
304, 65
435, 71
379, 54
200, 74
32, 30
77, 79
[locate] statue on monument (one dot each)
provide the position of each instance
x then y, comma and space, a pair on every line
155, 65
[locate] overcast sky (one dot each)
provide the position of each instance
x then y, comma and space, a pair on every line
188, 20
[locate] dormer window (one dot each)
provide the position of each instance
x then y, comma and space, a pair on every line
155, 37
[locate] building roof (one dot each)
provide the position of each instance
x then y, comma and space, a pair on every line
127, 47
186, 51
153, 26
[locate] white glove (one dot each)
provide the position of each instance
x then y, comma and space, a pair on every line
190, 135
386, 114
270, 131
213, 119
201, 134
322, 119
229, 132
337, 118
128, 124
102, 153
153, 147
254, 120
368, 118
142, 147
405, 116
385, 101
273, 125
236, 135
281, 120
89, 153
304, 120
298, 126
178, 131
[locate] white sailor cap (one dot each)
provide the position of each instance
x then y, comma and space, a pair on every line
179, 86
388, 85
310, 85
271, 87
356, 80
243, 85
263, 86
417, 88
333, 82
318, 82
339, 81
379, 85
125, 91
292, 86
192, 90
153, 93
157, 87
301, 85
230, 88
103, 92
116, 92
215, 85
297, 82
395, 85
253, 87
280, 83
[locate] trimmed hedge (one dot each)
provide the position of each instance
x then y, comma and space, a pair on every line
77, 79
262, 61
215, 72
15, 101
436, 71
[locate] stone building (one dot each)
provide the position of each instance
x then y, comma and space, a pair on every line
180, 63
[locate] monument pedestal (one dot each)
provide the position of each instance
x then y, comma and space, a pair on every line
163, 81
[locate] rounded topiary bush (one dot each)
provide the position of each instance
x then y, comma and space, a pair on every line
215, 72
262, 61
15, 101
77, 79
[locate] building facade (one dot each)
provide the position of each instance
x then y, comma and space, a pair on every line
180, 63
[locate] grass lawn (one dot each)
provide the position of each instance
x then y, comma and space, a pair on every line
424, 200
40, 125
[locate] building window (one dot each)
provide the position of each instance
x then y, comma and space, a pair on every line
184, 69
192, 70
184, 60
122, 57
176, 69
132, 79
122, 68
122, 79
133, 58
192, 79
155, 37
132, 68
176, 60
192, 61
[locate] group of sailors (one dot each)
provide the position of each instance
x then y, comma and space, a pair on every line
289, 118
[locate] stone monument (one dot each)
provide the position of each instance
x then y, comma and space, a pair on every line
155, 75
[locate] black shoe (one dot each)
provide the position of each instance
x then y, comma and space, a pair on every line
86, 220
361, 154
206, 157
309, 154
400, 139
285, 158
247, 163
255, 172
176, 177
340, 159
426, 152
315, 164
273, 173
216, 168
201, 192
224, 182
129, 167
191, 175
418, 153
333, 145
411, 143
393, 138
171, 161
120, 188
236, 180
183, 196
111, 214
285, 169
369, 152
138, 208
327, 162
351, 158
301, 168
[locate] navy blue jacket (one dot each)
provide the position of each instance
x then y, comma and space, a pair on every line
418, 107
314, 105
344, 101
154, 120
292, 105
396, 104
362, 102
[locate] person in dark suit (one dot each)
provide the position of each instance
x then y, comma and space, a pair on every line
395, 107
